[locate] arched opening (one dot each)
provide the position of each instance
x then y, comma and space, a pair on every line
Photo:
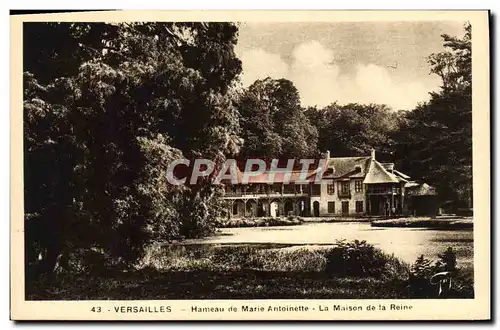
288, 207
238, 208
262, 208
316, 209
251, 208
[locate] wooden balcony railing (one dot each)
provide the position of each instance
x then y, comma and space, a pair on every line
345, 194
264, 194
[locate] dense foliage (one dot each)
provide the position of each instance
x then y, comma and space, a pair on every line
434, 141
441, 278
106, 108
354, 129
273, 123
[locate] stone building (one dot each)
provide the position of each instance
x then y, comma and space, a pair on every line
359, 186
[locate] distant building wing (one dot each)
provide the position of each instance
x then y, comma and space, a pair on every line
416, 189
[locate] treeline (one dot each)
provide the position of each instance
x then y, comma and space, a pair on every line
108, 106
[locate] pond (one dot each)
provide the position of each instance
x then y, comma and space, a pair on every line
405, 243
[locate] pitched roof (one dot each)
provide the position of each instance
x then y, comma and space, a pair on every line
378, 174
343, 166
358, 175
336, 168
400, 176
404, 176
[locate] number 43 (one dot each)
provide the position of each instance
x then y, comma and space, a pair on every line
96, 309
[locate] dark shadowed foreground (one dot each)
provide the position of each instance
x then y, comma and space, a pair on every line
200, 284
353, 270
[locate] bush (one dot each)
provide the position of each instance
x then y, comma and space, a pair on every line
356, 259
453, 282
419, 281
260, 222
448, 260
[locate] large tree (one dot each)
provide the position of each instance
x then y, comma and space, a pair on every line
435, 140
112, 106
273, 123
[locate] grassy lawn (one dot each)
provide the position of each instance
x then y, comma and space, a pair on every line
236, 272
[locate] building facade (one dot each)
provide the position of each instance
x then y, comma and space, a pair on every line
358, 186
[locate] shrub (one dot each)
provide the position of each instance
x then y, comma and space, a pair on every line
260, 222
455, 283
356, 259
419, 280
85, 261
448, 260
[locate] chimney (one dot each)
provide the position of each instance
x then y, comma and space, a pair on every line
373, 154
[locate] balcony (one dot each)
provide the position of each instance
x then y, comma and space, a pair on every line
270, 194
345, 194
377, 190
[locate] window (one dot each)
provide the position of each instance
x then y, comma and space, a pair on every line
331, 207
359, 206
358, 186
345, 187
235, 209
330, 189
316, 190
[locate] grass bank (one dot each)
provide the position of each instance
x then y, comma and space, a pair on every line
426, 222
260, 222
353, 270
284, 221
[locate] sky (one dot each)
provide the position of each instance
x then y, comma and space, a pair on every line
365, 62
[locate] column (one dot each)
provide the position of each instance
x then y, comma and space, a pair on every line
393, 206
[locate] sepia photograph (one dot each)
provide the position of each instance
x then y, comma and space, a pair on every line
246, 160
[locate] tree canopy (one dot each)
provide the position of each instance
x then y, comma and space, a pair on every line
106, 108
354, 129
273, 123
434, 141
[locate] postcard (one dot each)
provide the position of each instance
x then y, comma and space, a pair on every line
250, 165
